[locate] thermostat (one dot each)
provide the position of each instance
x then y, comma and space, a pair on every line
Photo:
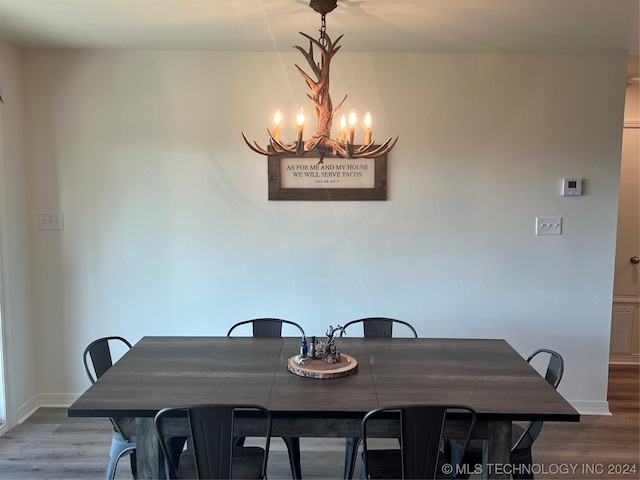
572, 187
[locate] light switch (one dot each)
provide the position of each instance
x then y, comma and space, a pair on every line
50, 221
548, 225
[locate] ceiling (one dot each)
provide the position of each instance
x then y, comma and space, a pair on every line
497, 26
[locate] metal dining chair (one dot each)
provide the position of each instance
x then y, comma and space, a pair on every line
522, 438
210, 451
419, 454
97, 358
272, 327
372, 327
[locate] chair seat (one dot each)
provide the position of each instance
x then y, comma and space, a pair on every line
128, 425
246, 463
387, 464
473, 457
475, 447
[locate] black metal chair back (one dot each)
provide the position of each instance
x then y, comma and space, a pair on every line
98, 355
421, 428
378, 326
267, 327
212, 430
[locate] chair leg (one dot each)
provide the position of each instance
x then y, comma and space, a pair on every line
134, 464
111, 470
523, 467
363, 472
293, 446
453, 454
350, 456
118, 448
175, 446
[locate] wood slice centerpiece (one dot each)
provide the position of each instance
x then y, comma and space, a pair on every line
323, 370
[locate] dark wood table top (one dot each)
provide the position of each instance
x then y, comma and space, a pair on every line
487, 375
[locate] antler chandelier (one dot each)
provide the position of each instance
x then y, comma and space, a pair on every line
321, 141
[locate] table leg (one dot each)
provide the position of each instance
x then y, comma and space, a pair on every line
496, 455
150, 461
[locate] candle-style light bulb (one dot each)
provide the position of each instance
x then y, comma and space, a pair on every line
353, 119
367, 128
343, 125
299, 130
277, 118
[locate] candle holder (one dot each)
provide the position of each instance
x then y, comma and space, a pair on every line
327, 360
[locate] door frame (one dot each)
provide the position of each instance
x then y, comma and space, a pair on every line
625, 315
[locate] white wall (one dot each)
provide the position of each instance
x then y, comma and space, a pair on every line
20, 366
168, 230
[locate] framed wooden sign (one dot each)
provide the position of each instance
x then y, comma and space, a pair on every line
306, 177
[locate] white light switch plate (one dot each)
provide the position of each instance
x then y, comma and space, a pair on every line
50, 221
548, 225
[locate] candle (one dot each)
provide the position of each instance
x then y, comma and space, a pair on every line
367, 128
276, 127
300, 125
353, 119
343, 125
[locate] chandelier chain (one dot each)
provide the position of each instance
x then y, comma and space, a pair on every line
323, 31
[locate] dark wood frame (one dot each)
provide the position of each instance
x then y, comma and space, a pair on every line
378, 192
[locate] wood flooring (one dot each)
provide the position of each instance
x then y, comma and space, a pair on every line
49, 445
598, 447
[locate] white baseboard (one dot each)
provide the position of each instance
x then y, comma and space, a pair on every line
51, 400
591, 408
27, 409
54, 400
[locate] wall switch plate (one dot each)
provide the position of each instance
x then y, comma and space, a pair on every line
548, 225
572, 187
50, 221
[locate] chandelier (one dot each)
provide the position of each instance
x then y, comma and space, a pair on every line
321, 142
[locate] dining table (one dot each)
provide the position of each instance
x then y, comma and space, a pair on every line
488, 375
